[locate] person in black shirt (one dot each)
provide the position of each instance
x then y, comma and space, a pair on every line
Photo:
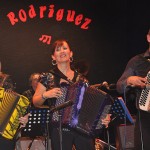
133, 81
7, 83
49, 88
33, 81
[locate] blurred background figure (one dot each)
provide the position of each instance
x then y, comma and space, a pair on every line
33, 81
8, 85
6, 81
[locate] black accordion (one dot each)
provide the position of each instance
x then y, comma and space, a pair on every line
12, 106
89, 106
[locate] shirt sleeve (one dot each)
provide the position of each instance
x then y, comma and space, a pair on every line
129, 71
47, 79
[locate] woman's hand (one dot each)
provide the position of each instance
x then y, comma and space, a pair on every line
106, 120
24, 120
53, 93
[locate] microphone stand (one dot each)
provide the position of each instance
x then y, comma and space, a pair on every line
58, 108
60, 130
30, 144
47, 143
107, 144
108, 139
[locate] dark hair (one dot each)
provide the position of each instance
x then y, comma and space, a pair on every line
58, 43
6, 81
31, 77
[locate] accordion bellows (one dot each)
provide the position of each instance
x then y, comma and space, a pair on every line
12, 106
90, 105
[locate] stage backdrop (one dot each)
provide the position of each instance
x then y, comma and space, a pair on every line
104, 33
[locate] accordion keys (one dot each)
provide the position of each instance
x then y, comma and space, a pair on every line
144, 100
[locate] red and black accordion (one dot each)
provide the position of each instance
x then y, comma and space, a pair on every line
90, 105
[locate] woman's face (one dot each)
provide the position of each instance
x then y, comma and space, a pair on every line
148, 38
62, 53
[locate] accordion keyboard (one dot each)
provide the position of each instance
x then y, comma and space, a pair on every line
144, 101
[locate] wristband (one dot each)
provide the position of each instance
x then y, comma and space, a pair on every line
43, 97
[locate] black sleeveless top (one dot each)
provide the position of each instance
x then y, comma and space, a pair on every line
52, 78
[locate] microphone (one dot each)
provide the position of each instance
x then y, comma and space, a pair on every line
61, 106
106, 85
96, 85
112, 86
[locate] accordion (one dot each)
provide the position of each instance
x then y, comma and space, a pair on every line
89, 106
12, 106
144, 100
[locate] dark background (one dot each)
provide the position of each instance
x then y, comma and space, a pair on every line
117, 32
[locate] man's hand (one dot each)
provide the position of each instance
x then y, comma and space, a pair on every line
136, 81
106, 120
24, 120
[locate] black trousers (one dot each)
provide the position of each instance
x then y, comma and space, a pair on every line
6, 144
142, 133
70, 138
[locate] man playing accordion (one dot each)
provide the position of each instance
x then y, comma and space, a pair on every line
8, 143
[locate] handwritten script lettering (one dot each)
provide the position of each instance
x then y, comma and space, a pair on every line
49, 12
